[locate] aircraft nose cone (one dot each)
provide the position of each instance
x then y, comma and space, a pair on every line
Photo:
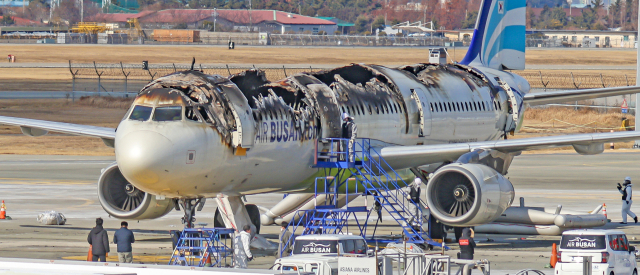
144, 158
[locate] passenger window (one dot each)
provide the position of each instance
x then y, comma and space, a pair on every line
625, 242
613, 242
395, 106
449, 107
621, 243
370, 111
431, 105
361, 247
172, 113
140, 113
349, 246
362, 109
466, 106
440, 108
190, 114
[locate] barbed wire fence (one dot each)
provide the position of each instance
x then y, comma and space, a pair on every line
569, 80
121, 77
107, 78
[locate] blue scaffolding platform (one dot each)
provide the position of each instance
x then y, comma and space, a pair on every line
361, 171
198, 246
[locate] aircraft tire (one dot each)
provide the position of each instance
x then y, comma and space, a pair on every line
254, 215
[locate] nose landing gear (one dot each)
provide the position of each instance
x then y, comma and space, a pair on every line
190, 206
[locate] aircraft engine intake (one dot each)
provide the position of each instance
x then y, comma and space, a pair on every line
468, 194
122, 200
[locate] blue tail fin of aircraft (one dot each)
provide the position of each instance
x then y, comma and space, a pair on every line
499, 37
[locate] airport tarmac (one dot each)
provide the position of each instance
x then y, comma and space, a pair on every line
34, 184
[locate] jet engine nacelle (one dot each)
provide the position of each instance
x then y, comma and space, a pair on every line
124, 201
468, 194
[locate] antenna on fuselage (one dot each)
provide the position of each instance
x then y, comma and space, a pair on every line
193, 63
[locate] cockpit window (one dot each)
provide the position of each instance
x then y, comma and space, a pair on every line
141, 113
172, 113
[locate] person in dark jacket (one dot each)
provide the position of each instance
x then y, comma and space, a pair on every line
467, 244
124, 238
377, 205
413, 199
350, 131
285, 241
99, 241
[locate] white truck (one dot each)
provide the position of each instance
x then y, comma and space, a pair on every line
320, 254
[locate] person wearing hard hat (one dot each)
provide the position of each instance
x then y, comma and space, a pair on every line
350, 131
625, 190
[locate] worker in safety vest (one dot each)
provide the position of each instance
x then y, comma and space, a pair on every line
467, 244
625, 190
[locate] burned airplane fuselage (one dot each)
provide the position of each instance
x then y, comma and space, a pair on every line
194, 135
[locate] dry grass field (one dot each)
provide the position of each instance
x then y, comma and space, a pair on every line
44, 53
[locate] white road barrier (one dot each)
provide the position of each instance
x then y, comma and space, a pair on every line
54, 267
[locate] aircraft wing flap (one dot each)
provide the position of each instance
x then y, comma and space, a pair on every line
34, 127
575, 95
412, 156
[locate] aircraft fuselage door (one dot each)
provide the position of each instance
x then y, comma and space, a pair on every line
424, 111
244, 134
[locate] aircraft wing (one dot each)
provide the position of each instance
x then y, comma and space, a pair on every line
34, 127
417, 155
574, 95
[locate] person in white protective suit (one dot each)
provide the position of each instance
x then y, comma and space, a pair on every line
241, 247
625, 190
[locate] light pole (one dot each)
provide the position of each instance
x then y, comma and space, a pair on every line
215, 18
636, 145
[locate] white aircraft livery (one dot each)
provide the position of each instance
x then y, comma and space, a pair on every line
189, 136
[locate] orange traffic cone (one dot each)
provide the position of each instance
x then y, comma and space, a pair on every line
604, 210
3, 211
208, 262
554, 255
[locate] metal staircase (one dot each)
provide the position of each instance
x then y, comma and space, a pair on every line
203, 247
368, 174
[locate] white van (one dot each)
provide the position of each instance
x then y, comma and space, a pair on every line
609, 249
